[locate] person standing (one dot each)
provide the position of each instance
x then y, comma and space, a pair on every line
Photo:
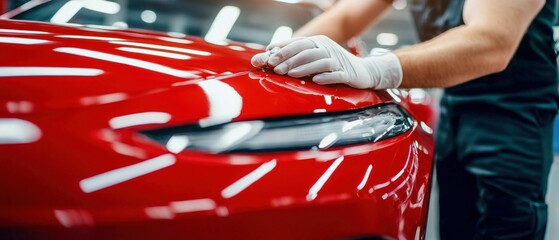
495, 60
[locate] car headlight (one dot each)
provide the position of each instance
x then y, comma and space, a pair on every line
318, 131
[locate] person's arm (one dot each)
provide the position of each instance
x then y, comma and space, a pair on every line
345, 20
484, 45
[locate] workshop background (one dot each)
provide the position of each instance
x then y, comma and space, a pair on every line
395, 31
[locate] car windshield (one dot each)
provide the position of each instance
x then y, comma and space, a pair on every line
255, 21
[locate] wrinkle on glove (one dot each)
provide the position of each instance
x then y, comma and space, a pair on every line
329, 63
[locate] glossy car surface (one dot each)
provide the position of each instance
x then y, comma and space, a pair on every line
74, 165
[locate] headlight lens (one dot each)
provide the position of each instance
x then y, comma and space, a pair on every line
318, 131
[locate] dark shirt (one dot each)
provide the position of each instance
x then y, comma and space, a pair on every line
534, 63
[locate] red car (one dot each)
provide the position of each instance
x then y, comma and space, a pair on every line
117, 134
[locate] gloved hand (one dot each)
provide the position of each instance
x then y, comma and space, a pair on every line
330, 63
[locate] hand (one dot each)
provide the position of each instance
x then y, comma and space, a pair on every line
329, 63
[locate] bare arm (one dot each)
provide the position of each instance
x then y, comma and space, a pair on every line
346, 19
484, 45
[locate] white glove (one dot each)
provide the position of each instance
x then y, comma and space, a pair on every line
330, 63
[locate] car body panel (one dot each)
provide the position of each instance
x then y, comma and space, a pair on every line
89, 174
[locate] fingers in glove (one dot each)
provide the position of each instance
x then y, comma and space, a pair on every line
340, 77
282, 44
330, 78
260, 60
316, 67
302, 58
290, 50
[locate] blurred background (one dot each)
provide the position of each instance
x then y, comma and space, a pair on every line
256, 22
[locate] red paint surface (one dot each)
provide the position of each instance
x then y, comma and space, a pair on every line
40, 181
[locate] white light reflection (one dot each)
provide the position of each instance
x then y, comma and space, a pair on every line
417, 95
176, 34
73, 217
350, 125
383, 133
120, 25
148, 16
137, 119
235, 133
67, 12
387, 39
167, 48
196, 205
175, 40
282, 202
186, 206
224, 101
89, 37
281, 34
401, 172
18, 131
426, 128
365, 178
328, 99
399, 4
248, 180
121, 175
160, 212
318, 155
177, 143
237, 48
102, 27
379, 186
127, 61
256, 46
71, 8
398, 99
222, 211
103, 99
128, 150
319, 111
313, 192
19, 107
102, 6
48, 71
22, 41
241, 160
328, 141
4, 30
222, 24
393, 192
155, 53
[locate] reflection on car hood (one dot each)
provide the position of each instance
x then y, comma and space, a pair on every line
48, 67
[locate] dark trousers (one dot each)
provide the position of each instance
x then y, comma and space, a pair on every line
493, 156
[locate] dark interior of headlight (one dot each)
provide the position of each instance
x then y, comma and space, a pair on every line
318, 131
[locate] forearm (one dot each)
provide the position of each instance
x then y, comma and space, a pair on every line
457, 56
344, 20
484, 45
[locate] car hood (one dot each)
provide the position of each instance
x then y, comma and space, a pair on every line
67, 68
